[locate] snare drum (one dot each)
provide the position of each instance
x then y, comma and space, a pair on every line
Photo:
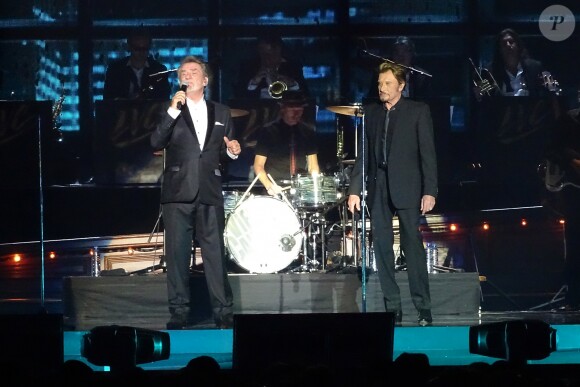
314, 191
263, 234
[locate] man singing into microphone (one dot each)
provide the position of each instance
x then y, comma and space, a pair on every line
197, 135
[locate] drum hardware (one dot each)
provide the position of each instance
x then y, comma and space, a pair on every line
313, 230
356, 110
339, 141
309, 261
231, 199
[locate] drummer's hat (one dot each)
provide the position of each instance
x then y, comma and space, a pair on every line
293, 98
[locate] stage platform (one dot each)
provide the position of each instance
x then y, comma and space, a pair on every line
141, 300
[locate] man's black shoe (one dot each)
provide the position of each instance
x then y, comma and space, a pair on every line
177, 321
398, 316
424, 318
225, 321
173, 325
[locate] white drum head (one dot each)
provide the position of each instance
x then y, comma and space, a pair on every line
263, 235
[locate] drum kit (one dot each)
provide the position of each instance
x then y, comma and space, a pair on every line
266, 234
288, 232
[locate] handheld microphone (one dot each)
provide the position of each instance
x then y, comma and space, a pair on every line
183, 88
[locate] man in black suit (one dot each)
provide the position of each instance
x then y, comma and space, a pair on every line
130, 77
195, 134
401, 161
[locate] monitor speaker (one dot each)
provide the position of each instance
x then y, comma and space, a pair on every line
337, 340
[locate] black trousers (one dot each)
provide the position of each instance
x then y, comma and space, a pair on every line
382, 213
183, 222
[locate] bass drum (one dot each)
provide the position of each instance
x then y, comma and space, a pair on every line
263, 234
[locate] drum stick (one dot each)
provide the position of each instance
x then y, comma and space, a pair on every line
281, 193
248, 190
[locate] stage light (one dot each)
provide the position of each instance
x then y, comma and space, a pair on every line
122, 347
515, 341
524, 222
485, 226
453, 227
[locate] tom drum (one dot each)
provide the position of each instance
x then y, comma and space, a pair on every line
314, 191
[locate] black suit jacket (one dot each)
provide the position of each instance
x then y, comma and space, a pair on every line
190, 172
412, 159
119, 77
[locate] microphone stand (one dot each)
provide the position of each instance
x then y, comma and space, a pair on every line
156, 230
362, 216
162, 72
41, 214
409, 68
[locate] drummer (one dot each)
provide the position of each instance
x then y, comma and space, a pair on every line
286, 147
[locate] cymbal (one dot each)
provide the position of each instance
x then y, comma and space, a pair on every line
348, 162
352, 110
239, 113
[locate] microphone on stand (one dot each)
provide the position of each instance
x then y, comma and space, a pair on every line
183, 88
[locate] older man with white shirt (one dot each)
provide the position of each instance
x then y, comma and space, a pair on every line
197, 135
